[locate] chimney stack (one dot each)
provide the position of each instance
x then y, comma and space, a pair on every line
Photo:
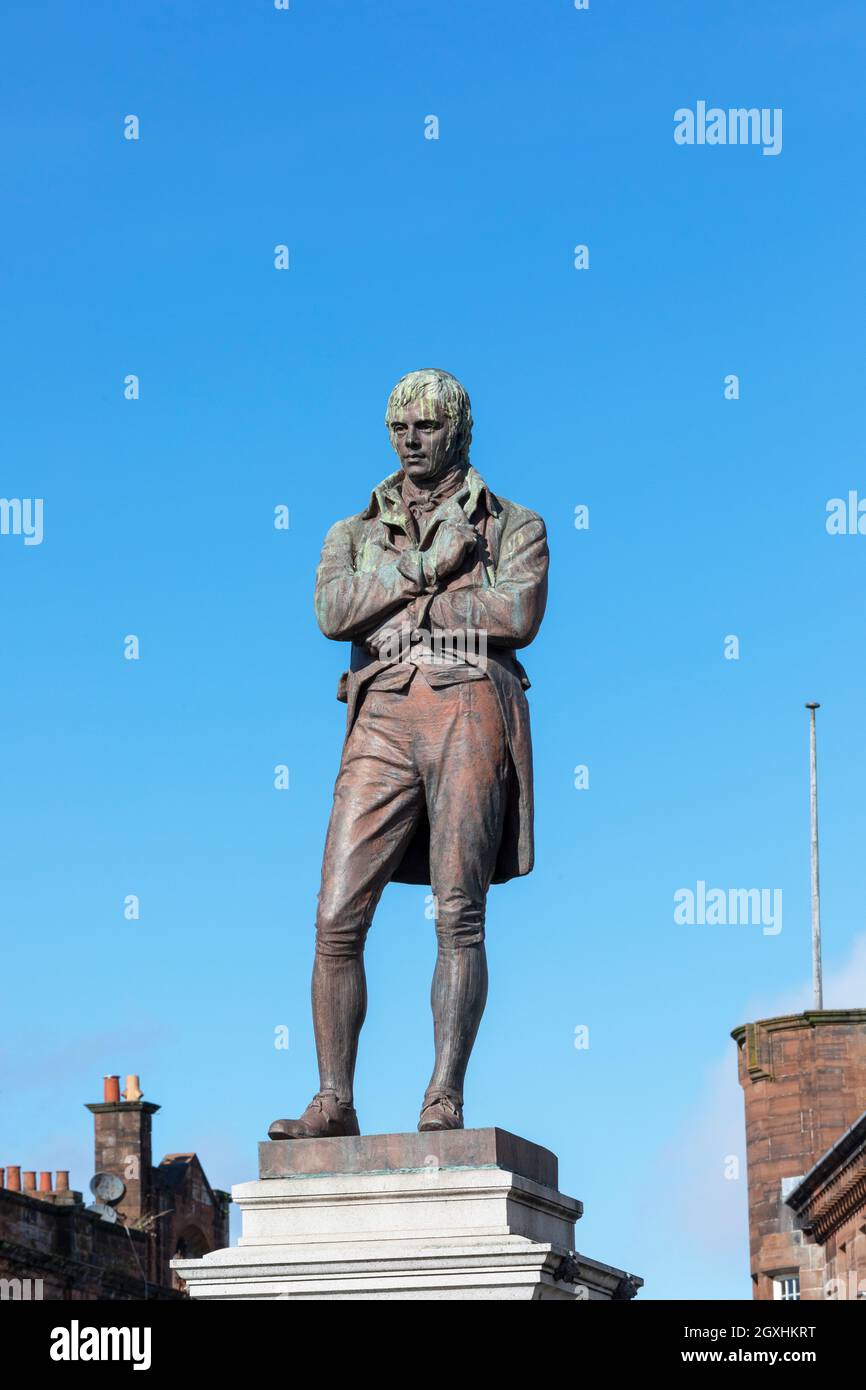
122, 1144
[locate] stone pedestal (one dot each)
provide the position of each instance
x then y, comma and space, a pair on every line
470, 1214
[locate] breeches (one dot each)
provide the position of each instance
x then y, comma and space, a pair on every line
440, 752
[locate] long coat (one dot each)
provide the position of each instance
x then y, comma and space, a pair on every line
369, 573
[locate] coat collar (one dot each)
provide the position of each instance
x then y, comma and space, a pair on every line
386, 500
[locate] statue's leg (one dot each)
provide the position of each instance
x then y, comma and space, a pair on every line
377, 801
378, 798
466, 781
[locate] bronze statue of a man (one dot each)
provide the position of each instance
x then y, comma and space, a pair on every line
435, 584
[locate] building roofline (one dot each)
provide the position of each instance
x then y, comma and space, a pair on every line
845, 1148
811, 1018
173, 1168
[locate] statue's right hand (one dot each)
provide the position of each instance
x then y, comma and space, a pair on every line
451, 544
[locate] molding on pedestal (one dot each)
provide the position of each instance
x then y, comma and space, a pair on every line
405, 1216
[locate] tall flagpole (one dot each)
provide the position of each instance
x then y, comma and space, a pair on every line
817, 981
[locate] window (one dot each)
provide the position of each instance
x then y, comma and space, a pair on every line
787, 1288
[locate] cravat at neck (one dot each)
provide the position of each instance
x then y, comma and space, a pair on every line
420, 500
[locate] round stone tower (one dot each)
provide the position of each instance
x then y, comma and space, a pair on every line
804, 1082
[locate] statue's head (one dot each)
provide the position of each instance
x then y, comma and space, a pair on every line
429, 419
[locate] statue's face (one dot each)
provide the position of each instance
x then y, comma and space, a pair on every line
422, 438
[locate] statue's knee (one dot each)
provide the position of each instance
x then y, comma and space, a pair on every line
339, 934
459, 920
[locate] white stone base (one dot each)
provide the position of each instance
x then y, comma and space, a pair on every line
431, 1233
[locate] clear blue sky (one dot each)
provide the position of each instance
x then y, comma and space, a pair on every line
260, 387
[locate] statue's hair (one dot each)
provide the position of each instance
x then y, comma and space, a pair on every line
447, 390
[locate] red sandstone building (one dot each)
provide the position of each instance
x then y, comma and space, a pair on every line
52, 1246
804, 1082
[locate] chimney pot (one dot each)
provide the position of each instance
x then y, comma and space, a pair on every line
45, 1182
111, 1090
62, 1180
13, 1179
29, 1180
133, 1090
2, 1177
